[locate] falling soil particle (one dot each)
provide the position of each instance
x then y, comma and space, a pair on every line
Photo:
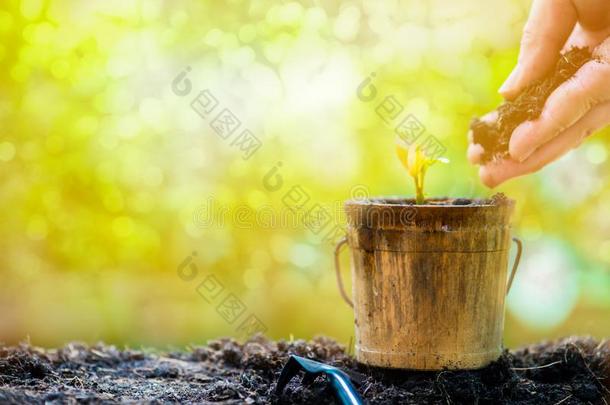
494, 136
570, 371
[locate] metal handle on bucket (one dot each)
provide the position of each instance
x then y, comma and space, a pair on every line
340, 244
343, 241
515, 264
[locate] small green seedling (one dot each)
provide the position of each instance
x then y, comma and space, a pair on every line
416, 162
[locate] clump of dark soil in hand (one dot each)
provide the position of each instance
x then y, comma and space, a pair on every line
494, 136
571, 371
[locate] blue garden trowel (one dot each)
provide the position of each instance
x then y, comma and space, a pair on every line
340, 382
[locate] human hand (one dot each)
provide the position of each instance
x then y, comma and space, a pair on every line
576, 108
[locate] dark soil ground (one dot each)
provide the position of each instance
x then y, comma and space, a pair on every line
570, 371
494, 136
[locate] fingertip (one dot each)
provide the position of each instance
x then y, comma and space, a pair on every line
510, 87
508, 93
491, 117
475, 153
519, 146
487, 177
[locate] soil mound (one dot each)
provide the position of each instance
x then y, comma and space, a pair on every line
570, 371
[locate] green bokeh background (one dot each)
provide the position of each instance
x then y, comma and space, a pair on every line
108, 177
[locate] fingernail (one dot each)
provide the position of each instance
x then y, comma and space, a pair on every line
518, 146
508, 87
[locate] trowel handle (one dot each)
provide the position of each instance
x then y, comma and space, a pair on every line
338, 248
344, 390
515, 264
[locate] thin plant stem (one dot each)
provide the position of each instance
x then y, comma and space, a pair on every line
419, 189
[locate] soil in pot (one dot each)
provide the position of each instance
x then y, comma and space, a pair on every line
496, 199
494, 136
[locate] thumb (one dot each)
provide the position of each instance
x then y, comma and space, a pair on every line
548, 27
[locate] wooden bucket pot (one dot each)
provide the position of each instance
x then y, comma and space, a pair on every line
429, 281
